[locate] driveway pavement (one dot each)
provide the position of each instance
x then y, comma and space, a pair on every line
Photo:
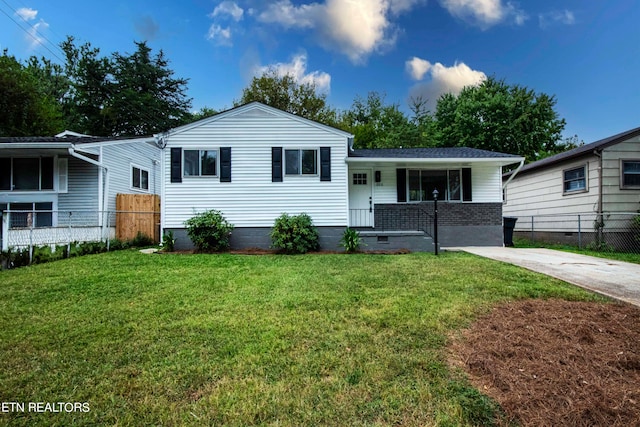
616, 279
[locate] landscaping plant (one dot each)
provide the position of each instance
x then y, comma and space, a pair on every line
209, 231
351, 240
294, 234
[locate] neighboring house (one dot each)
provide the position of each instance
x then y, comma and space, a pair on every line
578, 191
71, 180
255, 162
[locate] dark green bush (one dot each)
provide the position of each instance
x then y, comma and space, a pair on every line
209, 231
294, 234
142, 240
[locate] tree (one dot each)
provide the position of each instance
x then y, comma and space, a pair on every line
26, 108
146, 98
375, 124
287, 94
499, 117
123, 94
91, 86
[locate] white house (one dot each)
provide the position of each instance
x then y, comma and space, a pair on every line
255, 162
70, 179
568, 195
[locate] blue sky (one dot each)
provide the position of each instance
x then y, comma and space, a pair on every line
585, 52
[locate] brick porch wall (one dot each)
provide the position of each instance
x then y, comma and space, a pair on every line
459, 224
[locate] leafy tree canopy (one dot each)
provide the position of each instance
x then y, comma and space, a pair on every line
500, 117
286, 93
26, 108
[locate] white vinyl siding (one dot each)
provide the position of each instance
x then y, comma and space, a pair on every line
252, 199
542, 192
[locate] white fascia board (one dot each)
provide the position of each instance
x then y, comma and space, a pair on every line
35, 145
496, 160
78, 147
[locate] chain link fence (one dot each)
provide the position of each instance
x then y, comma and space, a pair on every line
607, 232
23, 229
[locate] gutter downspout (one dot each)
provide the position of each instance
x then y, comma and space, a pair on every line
102, 204
599, 217
513, 175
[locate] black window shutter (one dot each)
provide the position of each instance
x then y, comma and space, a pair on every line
225, 164
176, 164
325, 163
276, 164
466, 185
401, 180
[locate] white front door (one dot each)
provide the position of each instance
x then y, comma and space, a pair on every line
360, 198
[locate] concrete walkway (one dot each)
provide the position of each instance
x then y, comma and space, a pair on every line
616, 279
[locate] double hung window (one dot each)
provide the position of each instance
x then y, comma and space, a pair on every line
200, 162
301, 162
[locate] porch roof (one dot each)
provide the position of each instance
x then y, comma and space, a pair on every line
67, 141
431, 155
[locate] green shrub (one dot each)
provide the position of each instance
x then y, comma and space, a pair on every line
294, 234
351, 240
209, 231
168, 242
142, 240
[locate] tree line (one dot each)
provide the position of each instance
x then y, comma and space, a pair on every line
138, 94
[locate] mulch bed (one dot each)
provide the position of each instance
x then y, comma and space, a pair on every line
554, 362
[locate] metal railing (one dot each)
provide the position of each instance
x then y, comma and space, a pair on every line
609, 231
33, 228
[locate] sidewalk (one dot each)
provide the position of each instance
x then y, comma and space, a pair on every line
616, 279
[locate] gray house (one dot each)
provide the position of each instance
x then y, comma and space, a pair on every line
584, 193
70, 179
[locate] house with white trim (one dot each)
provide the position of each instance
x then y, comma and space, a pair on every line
70, 179
255, 162
579, 192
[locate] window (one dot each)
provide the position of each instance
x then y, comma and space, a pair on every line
575, 180
139, 178
423, 182
32, 215
26, 174
359, 179
301, 162
630, 174
200, 162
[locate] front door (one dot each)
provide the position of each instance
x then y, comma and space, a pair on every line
360, 198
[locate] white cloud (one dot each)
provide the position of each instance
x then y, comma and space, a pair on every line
565, 17
417, 67
220, 36
484, 13
228, 8
444, 80
355, 28
27, 13
297, 68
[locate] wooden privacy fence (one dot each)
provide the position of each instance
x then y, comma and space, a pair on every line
137, 213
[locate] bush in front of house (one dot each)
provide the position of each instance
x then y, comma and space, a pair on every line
294, 234
351, 240
209, 231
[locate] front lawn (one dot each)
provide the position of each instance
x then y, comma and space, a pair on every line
250, 340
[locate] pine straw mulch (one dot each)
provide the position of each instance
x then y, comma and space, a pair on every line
554, 362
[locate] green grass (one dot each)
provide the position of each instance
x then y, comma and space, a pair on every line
250, 340
618, 256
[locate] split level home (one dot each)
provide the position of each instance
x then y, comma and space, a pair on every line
255, 162
589, 190
63, 188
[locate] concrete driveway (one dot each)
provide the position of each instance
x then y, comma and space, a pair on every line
616, 279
